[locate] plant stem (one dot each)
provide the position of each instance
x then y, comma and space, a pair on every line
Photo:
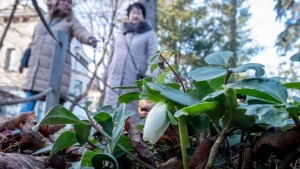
184, 140
183, 132
229, 72
175, 73
119, 145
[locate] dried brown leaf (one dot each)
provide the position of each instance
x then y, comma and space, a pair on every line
201, 154
14, 161
15, 122
50, 130
139, 144
172, 163
280, 143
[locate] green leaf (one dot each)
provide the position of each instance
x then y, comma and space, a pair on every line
241, 120
218, 58
98, 161
296, 99
153, 67
60, 115
151, 94
200, 122
170, 105
126, 87
44, 149
126, 143
129, 97
202, 89
175, 95
65, 140
119, 117
174, 52
264, 88
190, 151
171, 118
88, 103
86, 159
259, 70
216, 114
267, 114
161, 65
292, 85
154, 57
105, 120
198, 108
173, 85
170, 70
161, 78
293, 111
217, 82
104, 109
140, 82
207, 73
82, 132
295, 57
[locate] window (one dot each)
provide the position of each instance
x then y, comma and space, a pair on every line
77, 88
10, 59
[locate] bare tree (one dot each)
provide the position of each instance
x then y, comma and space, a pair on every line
151, 7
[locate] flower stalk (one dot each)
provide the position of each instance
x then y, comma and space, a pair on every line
183, 132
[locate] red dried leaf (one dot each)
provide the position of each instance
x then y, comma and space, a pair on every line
172, 163
50, 130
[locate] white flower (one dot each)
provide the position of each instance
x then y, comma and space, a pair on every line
156, 123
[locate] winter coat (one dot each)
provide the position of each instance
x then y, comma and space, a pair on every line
42, 48
120, 71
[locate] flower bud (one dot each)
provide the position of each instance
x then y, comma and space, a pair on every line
156, 123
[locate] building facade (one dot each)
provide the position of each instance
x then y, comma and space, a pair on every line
15, 43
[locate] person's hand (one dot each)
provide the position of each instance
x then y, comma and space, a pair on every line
92, 41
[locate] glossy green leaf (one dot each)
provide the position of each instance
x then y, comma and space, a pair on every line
48, 148
82, 132
264, 88
60, 115
86, 159
242, 121
161, 65
173, 85
129, 97
198, 108
170, 105
202, 89
200, 122
207, 73
171, 118
104, 109
161, 78
175, 95
218, 58
295, 57
293, 111
151, 94
65, 140
267, 114
296, 99
216, 114
153, 67
98, 161
105, 120
258, 68
119, 118
126, 143
292, 85
217, 82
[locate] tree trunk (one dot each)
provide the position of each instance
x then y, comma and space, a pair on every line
151, 13
233, 43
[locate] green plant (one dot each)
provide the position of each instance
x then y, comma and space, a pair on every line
228, 112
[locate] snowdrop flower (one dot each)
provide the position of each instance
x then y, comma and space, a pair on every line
156, 123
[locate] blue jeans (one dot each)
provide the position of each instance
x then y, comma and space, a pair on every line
29, 106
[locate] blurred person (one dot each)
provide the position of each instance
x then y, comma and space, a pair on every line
130, 57
60, 18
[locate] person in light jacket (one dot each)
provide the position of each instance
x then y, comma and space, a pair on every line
132, 50
60, 18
